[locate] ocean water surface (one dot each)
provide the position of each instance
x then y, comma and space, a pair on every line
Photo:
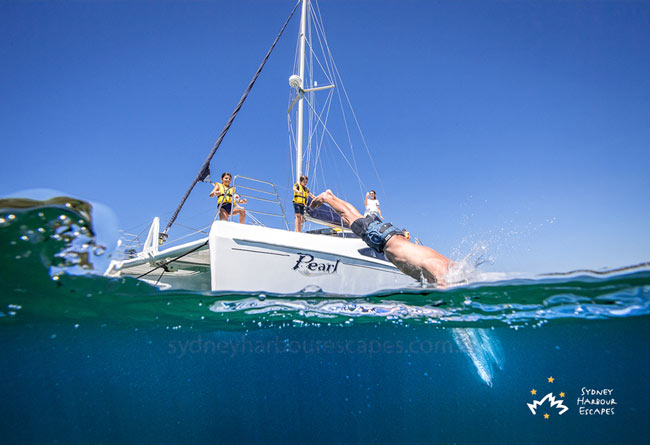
85, 358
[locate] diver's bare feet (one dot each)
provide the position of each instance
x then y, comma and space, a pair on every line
319, 200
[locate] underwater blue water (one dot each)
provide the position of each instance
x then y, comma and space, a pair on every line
103, 385
95, 360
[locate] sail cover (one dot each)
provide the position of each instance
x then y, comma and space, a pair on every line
324, 215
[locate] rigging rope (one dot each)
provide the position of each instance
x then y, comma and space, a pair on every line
337, 75
205, 168
166, 263
335, 143
318, 120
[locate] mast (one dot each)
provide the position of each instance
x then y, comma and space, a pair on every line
298, 81
299, 125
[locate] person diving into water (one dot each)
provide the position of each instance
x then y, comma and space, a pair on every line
419, 262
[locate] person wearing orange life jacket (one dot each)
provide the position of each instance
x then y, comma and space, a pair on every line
300, 195
225, 197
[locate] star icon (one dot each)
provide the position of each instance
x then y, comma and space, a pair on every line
533, 392
546, 416
551, 380
561, 394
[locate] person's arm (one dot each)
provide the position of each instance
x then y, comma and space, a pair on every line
239, 200
365, 201
295, 188
215, 190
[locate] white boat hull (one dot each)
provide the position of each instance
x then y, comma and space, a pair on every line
261, 259
244, 258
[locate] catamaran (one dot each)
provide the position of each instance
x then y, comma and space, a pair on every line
256, 257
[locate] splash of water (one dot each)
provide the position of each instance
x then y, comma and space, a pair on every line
68, 234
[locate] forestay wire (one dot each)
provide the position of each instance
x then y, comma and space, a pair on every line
204, 171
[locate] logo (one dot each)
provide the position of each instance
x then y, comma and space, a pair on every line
549, 403
306, 265
596, 402
590, 401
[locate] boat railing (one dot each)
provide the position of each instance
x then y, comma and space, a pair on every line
263, 193
129, 244
266, 197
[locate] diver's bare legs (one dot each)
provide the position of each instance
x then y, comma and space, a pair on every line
346, 211
419, 262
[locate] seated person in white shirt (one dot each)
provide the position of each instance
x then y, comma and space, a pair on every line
372, 205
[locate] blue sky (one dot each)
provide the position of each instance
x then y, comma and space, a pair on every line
523, 126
